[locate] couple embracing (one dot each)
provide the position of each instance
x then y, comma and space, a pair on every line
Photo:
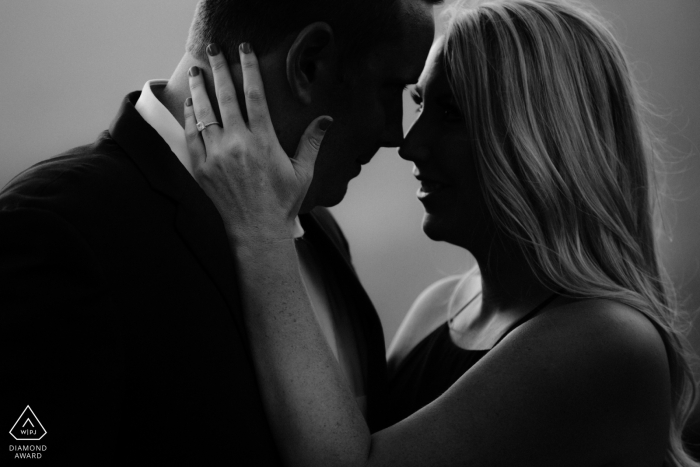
181, 272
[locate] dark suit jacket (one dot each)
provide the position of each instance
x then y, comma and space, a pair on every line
121, 321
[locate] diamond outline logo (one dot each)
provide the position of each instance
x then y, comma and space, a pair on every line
30, 422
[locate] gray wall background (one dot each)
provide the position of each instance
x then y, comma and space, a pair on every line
66, 65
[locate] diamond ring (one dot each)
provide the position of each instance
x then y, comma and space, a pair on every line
203, 126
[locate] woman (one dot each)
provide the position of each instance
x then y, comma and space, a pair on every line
562, 349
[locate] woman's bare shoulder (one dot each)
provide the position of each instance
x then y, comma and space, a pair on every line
606, 356
430, 310
600, 331
615, 326
582, 383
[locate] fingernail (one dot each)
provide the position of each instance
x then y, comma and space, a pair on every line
246, 48
188, 102
213, 49
194, 71
325, 124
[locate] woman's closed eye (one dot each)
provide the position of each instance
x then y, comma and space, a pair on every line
449, 110
416, 97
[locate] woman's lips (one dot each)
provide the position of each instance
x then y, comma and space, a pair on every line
429, 187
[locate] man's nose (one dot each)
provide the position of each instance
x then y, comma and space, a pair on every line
393, 135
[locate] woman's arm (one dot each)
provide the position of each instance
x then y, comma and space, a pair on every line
258, 191
309, 404
586, 384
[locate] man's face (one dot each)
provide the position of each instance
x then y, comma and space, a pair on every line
368, 107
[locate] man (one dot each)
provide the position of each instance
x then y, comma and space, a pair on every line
120, 313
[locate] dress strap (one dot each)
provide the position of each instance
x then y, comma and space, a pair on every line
464, 307
527, 316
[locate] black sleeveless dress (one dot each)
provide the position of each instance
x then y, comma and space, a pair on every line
431, 367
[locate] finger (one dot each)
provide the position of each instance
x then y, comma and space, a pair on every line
202, 107
254, 91
225, 90
310, 144
195, 145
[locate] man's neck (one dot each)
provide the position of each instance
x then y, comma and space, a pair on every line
178, 88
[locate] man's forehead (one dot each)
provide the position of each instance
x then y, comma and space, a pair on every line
404, 55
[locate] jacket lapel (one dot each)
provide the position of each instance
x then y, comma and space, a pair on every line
364, 317
197, 220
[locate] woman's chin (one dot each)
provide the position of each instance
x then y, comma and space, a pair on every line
456, 231
435, 228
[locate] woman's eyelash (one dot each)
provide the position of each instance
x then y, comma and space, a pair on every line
418, 100
416, 97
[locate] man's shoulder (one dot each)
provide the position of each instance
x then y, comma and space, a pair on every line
81, 173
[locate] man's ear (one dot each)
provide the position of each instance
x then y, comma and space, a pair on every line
311, 60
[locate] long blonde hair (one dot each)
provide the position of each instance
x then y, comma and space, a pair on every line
566, 159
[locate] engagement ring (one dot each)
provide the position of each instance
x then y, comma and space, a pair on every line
202, 126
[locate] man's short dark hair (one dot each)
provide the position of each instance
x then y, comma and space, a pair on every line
358, 25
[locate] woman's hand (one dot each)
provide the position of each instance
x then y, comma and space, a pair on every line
258, 191
255, 186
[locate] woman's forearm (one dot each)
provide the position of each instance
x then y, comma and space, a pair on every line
311, 410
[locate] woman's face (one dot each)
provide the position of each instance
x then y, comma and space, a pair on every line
438, 144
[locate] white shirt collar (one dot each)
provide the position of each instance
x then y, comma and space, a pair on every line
163, 122
156, 115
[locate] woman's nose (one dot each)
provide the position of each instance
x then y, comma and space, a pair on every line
413, 146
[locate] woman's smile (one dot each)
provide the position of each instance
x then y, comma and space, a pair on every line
428, 186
